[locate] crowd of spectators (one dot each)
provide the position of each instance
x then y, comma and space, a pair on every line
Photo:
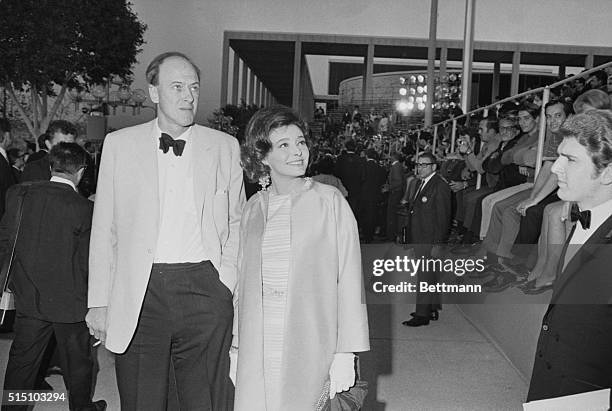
503, 216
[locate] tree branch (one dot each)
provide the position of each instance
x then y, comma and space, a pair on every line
26, 119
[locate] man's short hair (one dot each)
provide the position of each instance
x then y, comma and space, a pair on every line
350, 145
593, 130
5, 126
567, 107
429, 156
371, 153
60, 126
152, 72
532, 109
67, 158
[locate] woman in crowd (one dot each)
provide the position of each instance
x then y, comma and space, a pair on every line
301, 313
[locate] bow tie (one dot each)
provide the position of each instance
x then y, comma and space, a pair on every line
583, 216
165, 142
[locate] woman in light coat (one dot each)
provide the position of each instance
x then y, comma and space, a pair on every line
301, 308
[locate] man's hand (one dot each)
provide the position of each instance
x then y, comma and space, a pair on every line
457, 186
522, 207
341, 373
96, 322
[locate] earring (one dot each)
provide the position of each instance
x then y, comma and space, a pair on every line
264, 182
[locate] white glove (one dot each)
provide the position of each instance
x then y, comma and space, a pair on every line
233, 354
341, 373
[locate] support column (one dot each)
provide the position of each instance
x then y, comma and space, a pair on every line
431, 61
495, 84
588, 61
235, 78
224, 71
367, 87
243, 84
251, 87
297, 75
468, 54
258, 93
262, 90
562, 71
516, 71
443, 60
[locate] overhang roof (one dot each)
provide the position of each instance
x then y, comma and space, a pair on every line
270, 55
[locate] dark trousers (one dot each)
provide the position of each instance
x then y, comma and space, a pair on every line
26, 354
368, 218
392, 228
186, 323
426, 302
531, 223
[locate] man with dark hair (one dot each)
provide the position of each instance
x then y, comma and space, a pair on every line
165, 230
429, 226
42, 149
7, 177
49, 277
374, 178
396, 181
57, 132
573, 353
350, 169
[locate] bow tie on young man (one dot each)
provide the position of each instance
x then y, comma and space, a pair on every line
583, 216
166, 141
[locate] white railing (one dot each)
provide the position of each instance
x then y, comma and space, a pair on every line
542, 126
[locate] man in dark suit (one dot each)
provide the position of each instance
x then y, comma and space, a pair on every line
573, 354
7, 177
396, 182
49, 277
375, 177
43, 151
430, 218
57, 132
350, 169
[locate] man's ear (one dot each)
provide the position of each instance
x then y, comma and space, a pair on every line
48, 145
154, 93
606, 175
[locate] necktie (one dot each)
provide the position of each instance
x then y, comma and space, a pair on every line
418, 190
166, 141
583, 216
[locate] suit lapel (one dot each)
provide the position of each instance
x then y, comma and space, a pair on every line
603, 235
144, 160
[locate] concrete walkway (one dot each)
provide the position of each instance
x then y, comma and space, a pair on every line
447, 365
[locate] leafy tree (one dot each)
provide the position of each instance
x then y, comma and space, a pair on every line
50, 46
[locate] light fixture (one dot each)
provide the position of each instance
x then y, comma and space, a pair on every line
100, 95
403, 91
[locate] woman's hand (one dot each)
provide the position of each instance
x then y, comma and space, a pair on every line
341, 373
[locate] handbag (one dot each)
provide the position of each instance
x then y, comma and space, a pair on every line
351, 400
7, 302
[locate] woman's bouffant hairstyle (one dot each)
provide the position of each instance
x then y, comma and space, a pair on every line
257, 143
593, 130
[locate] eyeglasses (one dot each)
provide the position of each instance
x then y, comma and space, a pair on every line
424, 164
507, 128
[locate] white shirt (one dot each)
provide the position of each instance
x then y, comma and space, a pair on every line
3, 152
180, 229
63, 180
599, 214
